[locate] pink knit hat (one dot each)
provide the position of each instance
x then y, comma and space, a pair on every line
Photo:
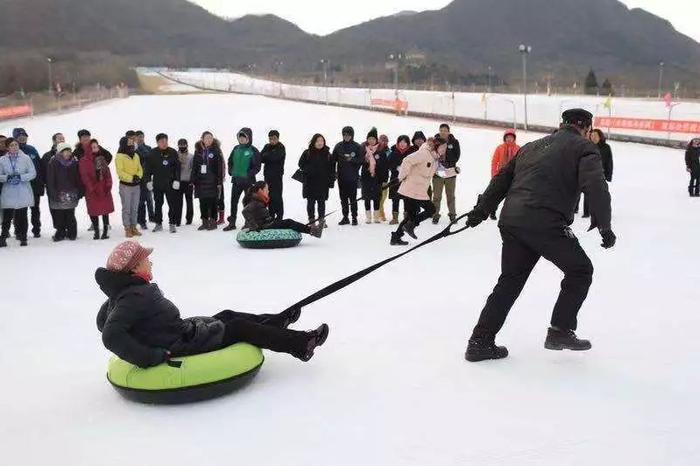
126, 256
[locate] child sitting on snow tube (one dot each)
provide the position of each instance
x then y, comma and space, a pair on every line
142, 327
257, 216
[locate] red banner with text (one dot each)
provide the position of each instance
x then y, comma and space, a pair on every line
643, 124
15, 112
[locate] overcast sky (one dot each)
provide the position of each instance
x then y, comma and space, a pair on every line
325, 16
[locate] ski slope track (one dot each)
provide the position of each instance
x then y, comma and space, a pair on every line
391, 386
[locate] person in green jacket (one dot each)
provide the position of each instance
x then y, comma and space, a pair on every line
243, 165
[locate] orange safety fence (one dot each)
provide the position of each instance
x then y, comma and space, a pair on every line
397, 104
643, 124
15, 112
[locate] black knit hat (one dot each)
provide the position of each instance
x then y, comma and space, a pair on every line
418, 135
349, 131
373, 134
578, 117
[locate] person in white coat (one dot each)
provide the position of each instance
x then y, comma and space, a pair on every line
16, 173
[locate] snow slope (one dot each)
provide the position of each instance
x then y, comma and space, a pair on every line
391, 386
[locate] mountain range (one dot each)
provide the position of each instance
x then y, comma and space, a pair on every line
459, 42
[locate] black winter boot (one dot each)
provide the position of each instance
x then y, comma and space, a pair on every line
453, 217
558, 340
344, 221
3, 242
96, 229
436, 219
697, 191
397, 241
409, 228
481, 349
354, 221
316, 338
285, 318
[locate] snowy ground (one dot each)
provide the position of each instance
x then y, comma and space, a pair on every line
391, 386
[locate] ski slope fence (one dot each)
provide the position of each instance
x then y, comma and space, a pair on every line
673, 124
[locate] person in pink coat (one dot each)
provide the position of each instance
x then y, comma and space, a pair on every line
97, 179
416, 174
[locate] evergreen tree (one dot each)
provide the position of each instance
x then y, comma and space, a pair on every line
591, 83
607, 87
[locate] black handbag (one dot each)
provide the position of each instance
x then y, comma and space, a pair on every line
299, 176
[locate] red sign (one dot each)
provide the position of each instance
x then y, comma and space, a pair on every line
15, 112
396, 104
642, 124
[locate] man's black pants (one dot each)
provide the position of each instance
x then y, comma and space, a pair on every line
522, 250
276, 207
173, 199
348, 199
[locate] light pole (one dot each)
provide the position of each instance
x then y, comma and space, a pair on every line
525, 50
325, 62
488, 89
49, 61
661, 77
395, 59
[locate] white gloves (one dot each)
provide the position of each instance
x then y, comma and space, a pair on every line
176, 185
149, 185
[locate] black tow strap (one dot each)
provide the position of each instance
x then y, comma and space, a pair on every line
347, 281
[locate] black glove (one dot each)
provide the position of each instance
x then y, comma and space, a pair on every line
609, 239
475, 217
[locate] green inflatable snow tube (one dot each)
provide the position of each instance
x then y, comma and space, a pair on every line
268, 239
187, 379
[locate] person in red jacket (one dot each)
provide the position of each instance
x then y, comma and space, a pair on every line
503, 154
97, 179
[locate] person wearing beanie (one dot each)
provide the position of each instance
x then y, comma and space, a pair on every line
141, 326
130, 174
146, 197
208, 178
398, 152
38, 183
63, 188
446, 175
162, 174
503, 154
415, 175
184, 194
273, 157
348, 157
16, 173
56, 139
97, 179
374, 174
541, 188
243, 166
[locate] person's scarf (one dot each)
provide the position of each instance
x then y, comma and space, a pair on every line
369, 158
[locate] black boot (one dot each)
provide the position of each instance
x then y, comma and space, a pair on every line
396, 240
105, 232
23, 241
285, 318
697, 191
493, 216
3, 242
453, 217
409, 228
354, 221
344, 221
230, 227
558, 340
481, 349
436, 219
316, 338
96, 229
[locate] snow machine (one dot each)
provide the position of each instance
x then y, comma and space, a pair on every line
187, 379
268, 239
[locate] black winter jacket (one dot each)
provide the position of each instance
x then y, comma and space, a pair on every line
395, 161
318, 168
543, 183
692, 159
206, 185
348, 157
453, 152
607, 160
162, 167
139, 324
372, 185
273, 157
257, 216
